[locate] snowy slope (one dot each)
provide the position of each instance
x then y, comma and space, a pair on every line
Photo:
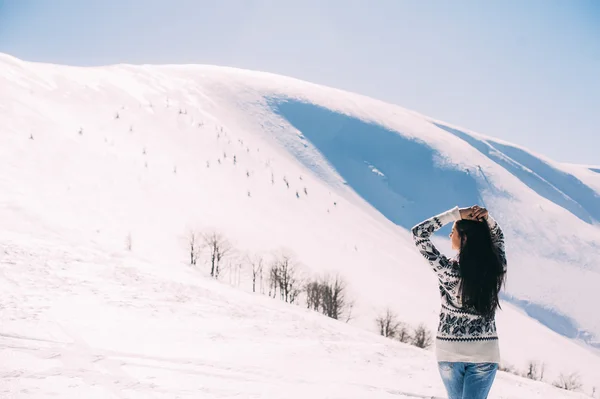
92, 324
74, 173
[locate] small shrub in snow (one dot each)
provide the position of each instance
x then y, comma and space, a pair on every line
422, 337
535, 371
569, 382
403, 333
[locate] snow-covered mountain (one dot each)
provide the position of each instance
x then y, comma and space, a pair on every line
95, 160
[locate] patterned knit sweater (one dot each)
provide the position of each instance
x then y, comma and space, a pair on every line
463, 335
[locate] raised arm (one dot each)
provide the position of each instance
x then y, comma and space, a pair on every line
441, 265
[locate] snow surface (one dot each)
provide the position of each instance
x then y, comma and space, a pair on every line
83, 317
85, 323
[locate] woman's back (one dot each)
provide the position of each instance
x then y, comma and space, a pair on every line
469, 287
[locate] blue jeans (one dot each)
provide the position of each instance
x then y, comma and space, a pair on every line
467, 380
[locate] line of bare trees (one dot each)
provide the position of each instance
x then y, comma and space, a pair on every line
390, 326
282, 277
285, 279
535, 371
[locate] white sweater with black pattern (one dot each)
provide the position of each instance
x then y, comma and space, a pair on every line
463, 335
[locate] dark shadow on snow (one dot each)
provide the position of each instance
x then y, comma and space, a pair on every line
401, 178
410, 186
562, 188
597, 170
557, 322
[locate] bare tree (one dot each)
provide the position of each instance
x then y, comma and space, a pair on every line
238, 272
570, 382
403, 335
535, 371
388, 324
390, 327
422, 337
273, 279
257, 263
193, 240
218, 248
328, 296
335, 303
285, 275
290, 281
313, 295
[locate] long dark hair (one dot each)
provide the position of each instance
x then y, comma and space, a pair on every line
481, 270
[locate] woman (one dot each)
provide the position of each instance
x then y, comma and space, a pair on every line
466, 342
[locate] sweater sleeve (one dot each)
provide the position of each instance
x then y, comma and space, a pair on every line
497, 239
441, 265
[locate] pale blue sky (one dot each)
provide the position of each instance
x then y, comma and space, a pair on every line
527, 71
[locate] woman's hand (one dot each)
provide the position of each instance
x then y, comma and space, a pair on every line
475, 212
